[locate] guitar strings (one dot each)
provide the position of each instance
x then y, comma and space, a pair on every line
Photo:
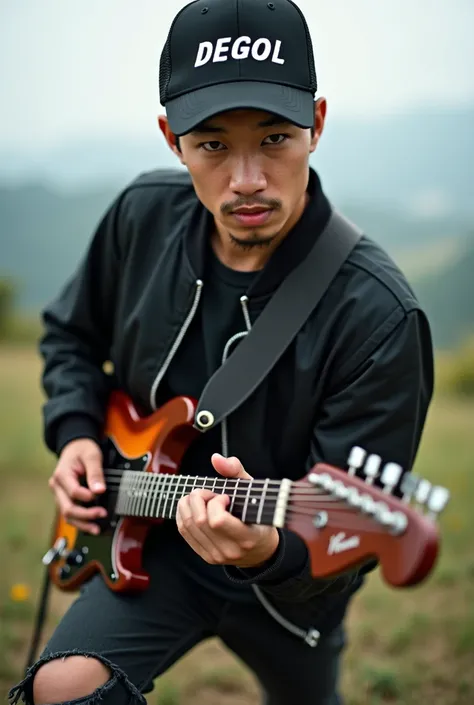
181, 481
306, 496
314, 498
340, 516
120, 475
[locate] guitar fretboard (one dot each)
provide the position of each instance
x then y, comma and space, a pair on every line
150, 495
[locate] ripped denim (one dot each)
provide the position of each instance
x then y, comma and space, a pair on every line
118, 690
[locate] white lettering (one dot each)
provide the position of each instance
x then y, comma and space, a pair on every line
275, 58
202, 57
242, 48
267, 48
241, 53
339, 542
221, 49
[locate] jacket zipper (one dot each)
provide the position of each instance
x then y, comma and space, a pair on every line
228, 345
176, 343
310, 636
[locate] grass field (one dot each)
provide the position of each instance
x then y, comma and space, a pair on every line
406, 647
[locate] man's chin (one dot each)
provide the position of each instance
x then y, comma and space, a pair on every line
252, 239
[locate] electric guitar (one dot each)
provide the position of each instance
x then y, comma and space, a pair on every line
344, 519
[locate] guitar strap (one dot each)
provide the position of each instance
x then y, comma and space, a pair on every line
277, 325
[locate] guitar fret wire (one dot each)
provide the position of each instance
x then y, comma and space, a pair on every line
145, 494
150, 497
234, 495
164, 494
262, 502
154, 504
244, 514
174, 496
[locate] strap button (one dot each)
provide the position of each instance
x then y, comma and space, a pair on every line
205, 419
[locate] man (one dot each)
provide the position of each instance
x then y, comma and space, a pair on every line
179, 269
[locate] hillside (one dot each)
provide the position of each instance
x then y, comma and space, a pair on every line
43, 232
448, 298
421, 161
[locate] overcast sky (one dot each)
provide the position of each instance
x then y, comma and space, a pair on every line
77, 68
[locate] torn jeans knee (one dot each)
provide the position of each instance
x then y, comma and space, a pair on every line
24, 689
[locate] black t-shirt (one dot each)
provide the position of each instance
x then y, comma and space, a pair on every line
220, 316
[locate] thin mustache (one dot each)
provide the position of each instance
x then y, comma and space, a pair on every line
273, 203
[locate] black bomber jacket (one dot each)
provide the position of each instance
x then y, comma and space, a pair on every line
359, 372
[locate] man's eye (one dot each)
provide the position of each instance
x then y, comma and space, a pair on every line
213, 146
275, 139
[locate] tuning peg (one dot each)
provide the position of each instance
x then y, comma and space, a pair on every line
422, 492
367, 504
371, 468
408, 486
399, 523
390, 476
356, 459
382, 513
437, 500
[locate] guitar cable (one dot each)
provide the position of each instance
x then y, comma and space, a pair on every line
39, 620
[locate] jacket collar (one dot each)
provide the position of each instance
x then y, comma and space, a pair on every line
292, 250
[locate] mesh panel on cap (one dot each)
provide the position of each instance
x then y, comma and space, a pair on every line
312, 69
165, 59
165, 71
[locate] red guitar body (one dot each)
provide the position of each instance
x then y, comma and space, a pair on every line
155, 443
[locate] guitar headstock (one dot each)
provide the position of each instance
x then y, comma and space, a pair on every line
347, 520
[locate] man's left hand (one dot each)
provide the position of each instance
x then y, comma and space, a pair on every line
217, 536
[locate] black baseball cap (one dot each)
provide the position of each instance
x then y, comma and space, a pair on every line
224, 55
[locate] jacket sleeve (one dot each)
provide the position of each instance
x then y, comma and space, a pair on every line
380, 405
76, 341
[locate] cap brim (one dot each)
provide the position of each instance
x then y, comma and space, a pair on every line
187, 111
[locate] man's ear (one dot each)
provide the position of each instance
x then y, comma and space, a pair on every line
320, 109
170, 137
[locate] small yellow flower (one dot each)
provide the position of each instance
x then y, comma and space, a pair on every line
19, 592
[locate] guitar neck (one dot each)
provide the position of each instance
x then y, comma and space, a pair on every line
156, 496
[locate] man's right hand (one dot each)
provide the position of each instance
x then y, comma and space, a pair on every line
81, 457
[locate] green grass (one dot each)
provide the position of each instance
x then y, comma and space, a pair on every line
405, 646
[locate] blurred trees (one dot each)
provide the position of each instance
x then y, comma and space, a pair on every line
7, 300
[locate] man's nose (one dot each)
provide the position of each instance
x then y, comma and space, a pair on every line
247, 176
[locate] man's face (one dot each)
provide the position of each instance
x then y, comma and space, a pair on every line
250, 170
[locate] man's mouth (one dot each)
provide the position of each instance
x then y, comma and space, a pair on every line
252, 216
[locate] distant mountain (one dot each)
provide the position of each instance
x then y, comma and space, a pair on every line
407, 180
421, 162
43, 233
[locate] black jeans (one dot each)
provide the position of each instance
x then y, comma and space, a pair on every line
140, 636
